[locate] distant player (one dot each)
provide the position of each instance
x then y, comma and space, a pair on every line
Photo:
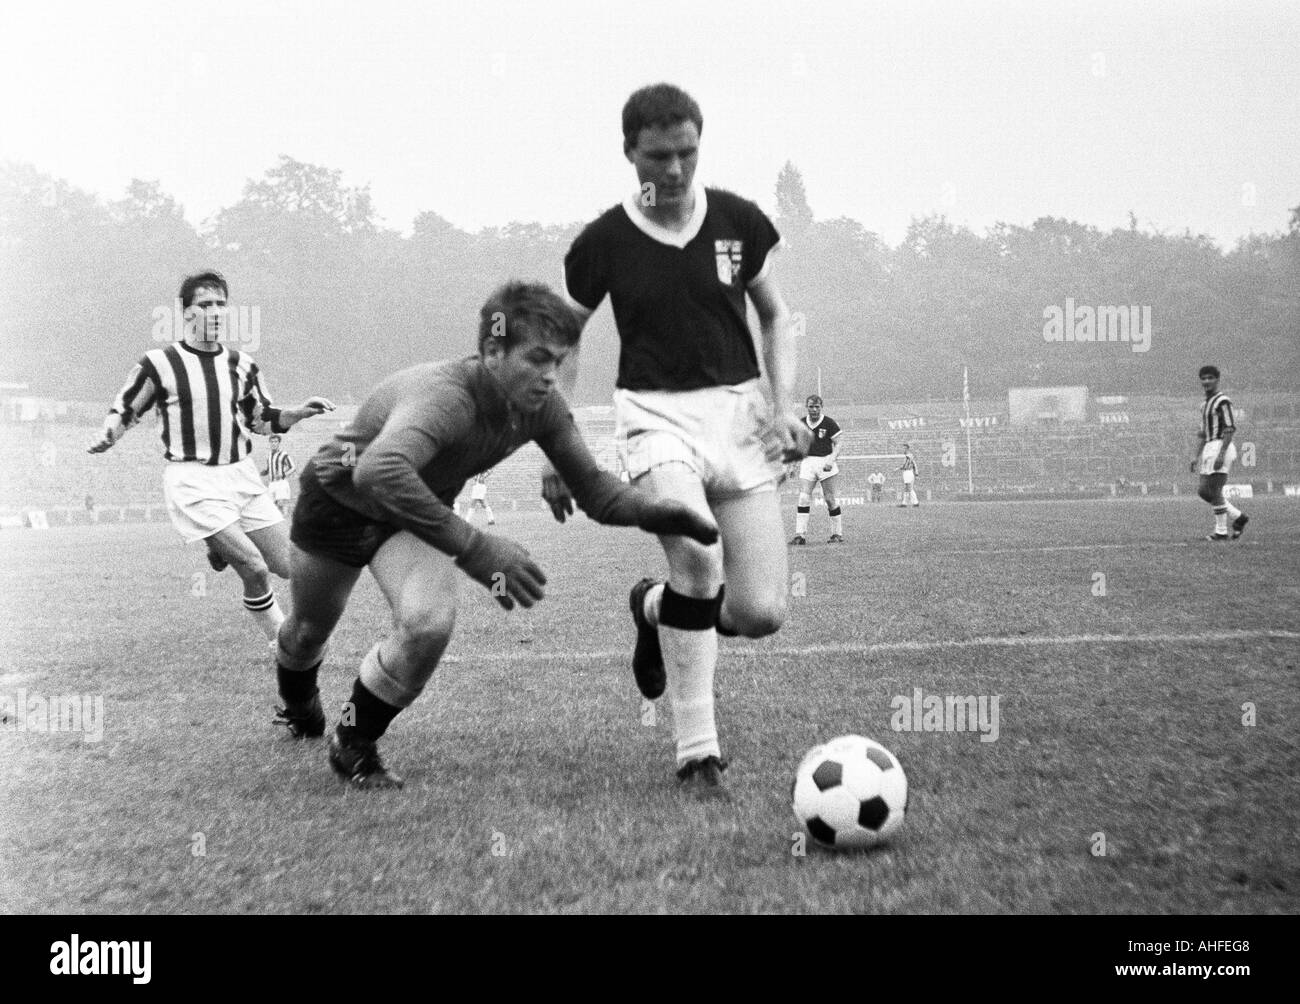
819, 466
478, 499
279, 465
1215, 455
379, 495
877, 483
909, 478
212, 400
680, 264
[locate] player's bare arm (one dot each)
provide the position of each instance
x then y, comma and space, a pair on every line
289, 417
1200, 447
779, 358
554, 491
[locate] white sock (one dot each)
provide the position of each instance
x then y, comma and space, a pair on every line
654, 596
1233, 511
837, 525
1220, 520
801, 522
266, 611
689, 658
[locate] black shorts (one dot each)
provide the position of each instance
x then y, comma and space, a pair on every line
330, 529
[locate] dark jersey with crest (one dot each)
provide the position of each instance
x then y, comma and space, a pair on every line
678, 296
824, 433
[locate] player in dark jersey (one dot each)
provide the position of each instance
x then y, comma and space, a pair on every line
679, 263
379, 495
819, 465
211, 400
1215, 454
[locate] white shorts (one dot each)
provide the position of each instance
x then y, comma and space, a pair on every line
1210, 453
716, 431
909, 477
478, 493
203, 500
810, 469
280, 491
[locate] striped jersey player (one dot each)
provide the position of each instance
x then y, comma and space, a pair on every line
1215, 455
909, 478
819, 466
279, 465
211, 400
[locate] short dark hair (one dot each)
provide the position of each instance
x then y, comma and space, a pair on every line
813, 397
515, 310
193, 283
1209, 371
658, 105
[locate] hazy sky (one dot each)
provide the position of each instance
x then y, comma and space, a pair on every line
487, 112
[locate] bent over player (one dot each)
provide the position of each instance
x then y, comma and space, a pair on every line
819, 465
1215, 455
379, 495
211, 399
679, 262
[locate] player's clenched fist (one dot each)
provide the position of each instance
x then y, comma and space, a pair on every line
505, 568
675, 519
106, 437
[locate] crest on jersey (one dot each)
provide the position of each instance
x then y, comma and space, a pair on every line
728, 256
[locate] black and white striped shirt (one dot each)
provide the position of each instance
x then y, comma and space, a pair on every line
280, 465
1216, 416
210, 402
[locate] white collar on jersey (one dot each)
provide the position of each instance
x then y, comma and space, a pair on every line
811, 425
674, 238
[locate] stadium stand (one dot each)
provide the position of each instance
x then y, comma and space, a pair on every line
45, 465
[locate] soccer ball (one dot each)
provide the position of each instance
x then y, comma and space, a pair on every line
850, 792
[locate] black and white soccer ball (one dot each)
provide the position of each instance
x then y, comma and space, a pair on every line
850, 792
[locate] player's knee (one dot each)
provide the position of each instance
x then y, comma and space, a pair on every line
694, 568
252, 570
425, 633
805, 499
299, 633
759, 620
1207, 493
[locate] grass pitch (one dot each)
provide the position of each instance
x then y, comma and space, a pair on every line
1121, 647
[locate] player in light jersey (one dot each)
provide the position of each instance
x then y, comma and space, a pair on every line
211, 400
696, 419
819, 466
279, 465
478, 500
1215, 454
909, 478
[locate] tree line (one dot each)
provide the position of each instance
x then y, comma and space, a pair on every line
343, 300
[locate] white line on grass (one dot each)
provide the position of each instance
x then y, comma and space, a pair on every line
1014, 641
